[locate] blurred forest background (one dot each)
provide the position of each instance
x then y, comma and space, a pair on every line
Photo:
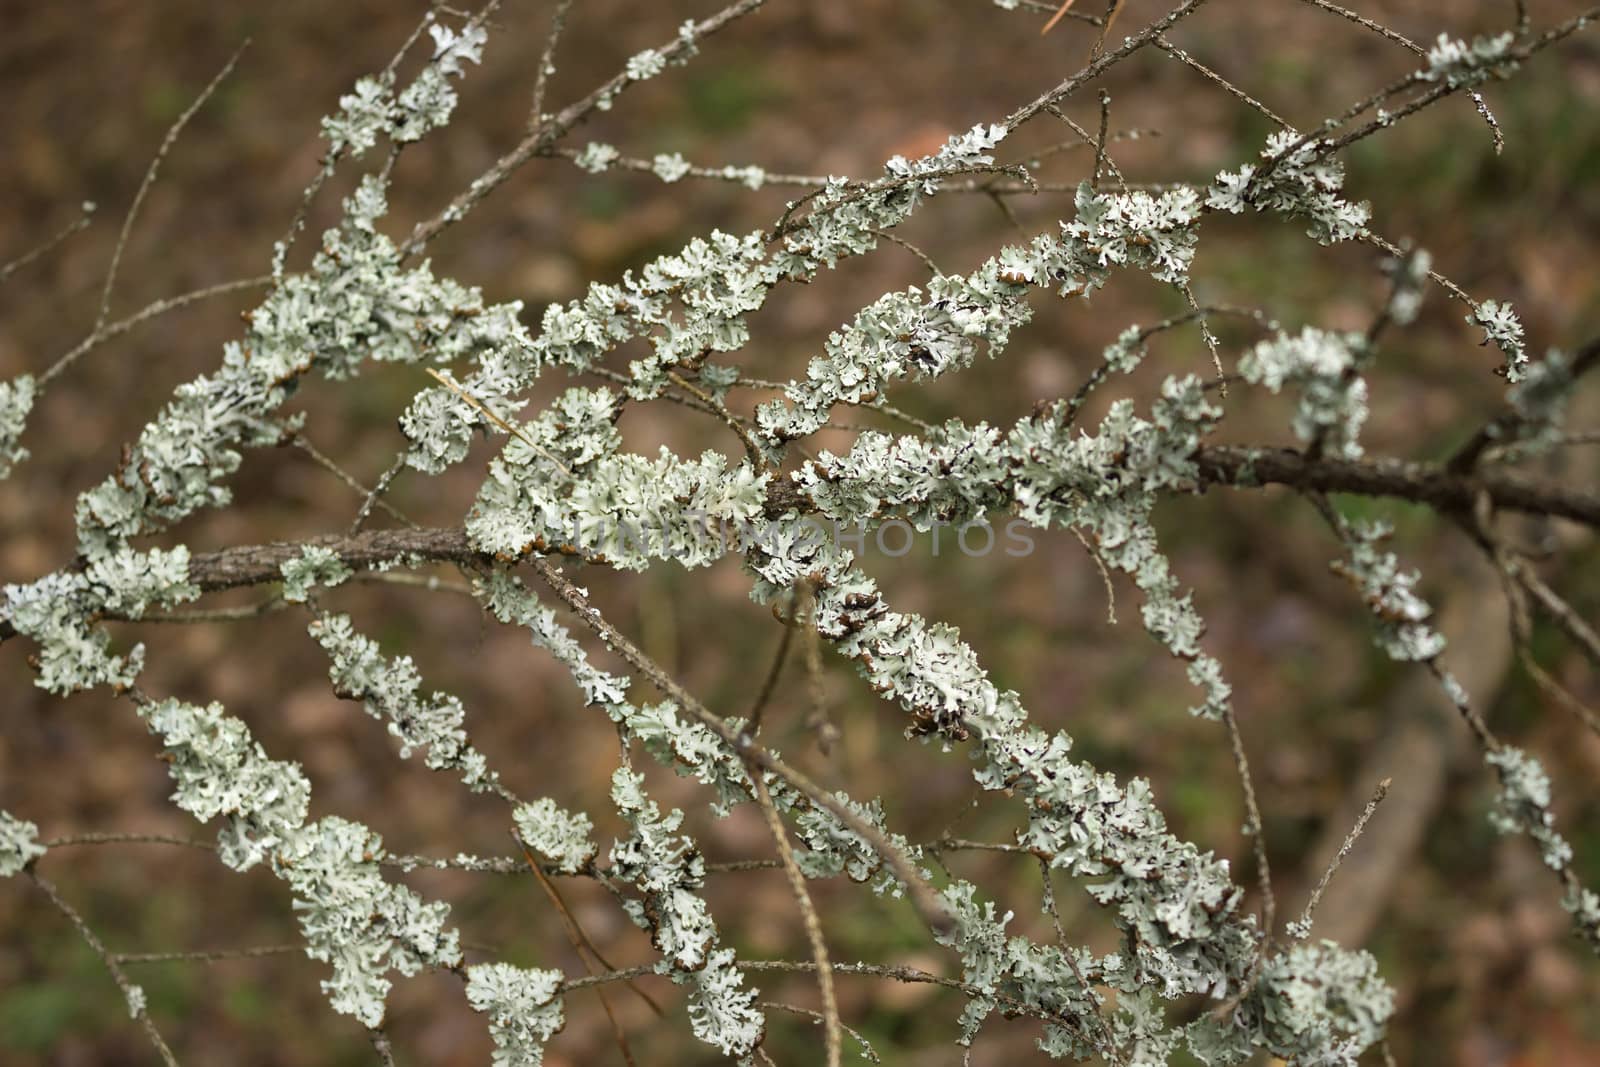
1465, 925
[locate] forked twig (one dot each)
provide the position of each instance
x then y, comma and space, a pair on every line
328, 464
130, 992
558, 23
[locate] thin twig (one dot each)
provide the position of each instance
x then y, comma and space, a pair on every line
381, 1045
1100, 140
1108, 1040
1105, 575
1562, 613
379, 487
770, 685
75, 226
240, 614
1004, 207
580, 940
1208, 337
808, 913
1269, 901
1583, 437
431, 582
1089, 141
1562, 695
1102, 62
730, 173
149, 180
127, 839
1344, 850
913, 975
1133, 133
1519, 581
209, 955
752, 447
1212, 76
1366, 23
1113, 9
927, 260
558, 23
1047, 894
817, 721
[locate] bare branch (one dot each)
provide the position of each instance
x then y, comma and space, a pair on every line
77, 225
1344, 850
149, 180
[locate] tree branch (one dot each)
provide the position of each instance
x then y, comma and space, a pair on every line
1421, 483
1236, 466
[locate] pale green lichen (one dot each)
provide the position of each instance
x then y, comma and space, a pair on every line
1318, 1004
349, 915
1403, 617
391, 691
19, 844
313, 567
1322, 366
74, 654
1298, 180
1461, 65
560, 836
596, 157
1523, 804
16, 400
669, 167
1503, 329
564, 480
1539, 400
524, 1008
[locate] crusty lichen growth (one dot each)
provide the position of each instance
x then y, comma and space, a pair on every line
19, 844
562, 478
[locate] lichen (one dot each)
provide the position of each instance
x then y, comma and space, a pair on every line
19, 844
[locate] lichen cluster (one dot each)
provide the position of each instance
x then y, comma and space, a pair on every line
564, 478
